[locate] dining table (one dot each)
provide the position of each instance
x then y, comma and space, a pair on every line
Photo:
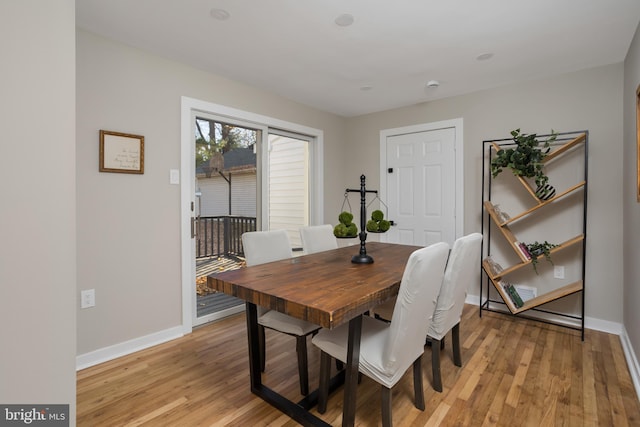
325, 288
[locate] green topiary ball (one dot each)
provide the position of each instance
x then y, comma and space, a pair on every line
352, 230
372, 226
377, 215
345, 218
340, 230
384, 225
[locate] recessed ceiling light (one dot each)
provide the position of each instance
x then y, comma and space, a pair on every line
366, 87
220, 14
484, 56
433, 83
344, 20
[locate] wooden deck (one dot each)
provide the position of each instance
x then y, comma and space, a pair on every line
210, 301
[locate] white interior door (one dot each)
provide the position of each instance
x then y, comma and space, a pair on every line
421, 186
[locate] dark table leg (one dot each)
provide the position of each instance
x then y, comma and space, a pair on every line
297, 411
351, 375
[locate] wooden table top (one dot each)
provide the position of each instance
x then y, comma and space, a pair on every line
324, 288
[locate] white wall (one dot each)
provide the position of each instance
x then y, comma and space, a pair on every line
589, 99
38, 207
131, 260
129, 225
631, 205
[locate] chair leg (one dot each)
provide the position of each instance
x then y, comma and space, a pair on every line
455, 338
429, 339
325, 376
386, 407
435, 365
418, 389
262, 345
301, 349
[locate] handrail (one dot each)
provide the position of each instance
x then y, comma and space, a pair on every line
222, 235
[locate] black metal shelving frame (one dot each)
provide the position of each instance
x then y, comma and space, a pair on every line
485, 294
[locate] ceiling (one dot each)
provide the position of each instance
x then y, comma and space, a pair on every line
384, 59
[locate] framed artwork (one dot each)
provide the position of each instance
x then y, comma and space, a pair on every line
121, 152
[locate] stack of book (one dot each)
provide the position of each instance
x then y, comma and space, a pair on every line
522, 248
511, 291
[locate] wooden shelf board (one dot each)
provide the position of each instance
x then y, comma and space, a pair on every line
565, 147
506, 232
545, 202
569, 289
551, 296
560, 247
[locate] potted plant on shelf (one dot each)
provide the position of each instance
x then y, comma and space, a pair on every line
525, 160
537, 249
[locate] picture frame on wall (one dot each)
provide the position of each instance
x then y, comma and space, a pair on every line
121, 152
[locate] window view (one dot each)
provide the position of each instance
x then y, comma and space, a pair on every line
226, 183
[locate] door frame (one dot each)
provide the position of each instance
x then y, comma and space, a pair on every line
457, 125
187, 173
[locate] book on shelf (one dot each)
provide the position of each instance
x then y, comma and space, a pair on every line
511, 291
522, 248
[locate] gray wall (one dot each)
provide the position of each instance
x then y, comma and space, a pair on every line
38, 207
589, 99
129, 225
631, 205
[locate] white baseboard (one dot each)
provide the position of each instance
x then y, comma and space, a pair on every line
122, 349
610, 328
632, 360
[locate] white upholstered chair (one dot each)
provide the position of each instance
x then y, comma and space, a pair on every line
318, 238
388, 349
266, 246
462, 270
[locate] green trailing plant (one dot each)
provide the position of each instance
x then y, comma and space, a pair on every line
525, 159
537, 249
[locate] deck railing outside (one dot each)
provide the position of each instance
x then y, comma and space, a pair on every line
221, 235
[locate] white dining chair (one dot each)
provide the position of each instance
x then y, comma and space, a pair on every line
318, 238
462, 270
388, 349
266, 246
462, 266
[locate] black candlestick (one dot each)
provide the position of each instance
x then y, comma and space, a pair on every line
362, 257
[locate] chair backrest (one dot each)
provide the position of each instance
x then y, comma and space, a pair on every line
265, 246
318, 238
462, 269
414, 305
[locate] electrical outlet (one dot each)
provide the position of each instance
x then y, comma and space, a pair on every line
558, 272
88, 298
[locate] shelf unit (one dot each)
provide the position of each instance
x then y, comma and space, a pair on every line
491, 219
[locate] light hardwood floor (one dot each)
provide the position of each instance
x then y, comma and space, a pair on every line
515, 372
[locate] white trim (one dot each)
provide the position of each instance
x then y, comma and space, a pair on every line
632, 360
457, 124
190, 105
105, 354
